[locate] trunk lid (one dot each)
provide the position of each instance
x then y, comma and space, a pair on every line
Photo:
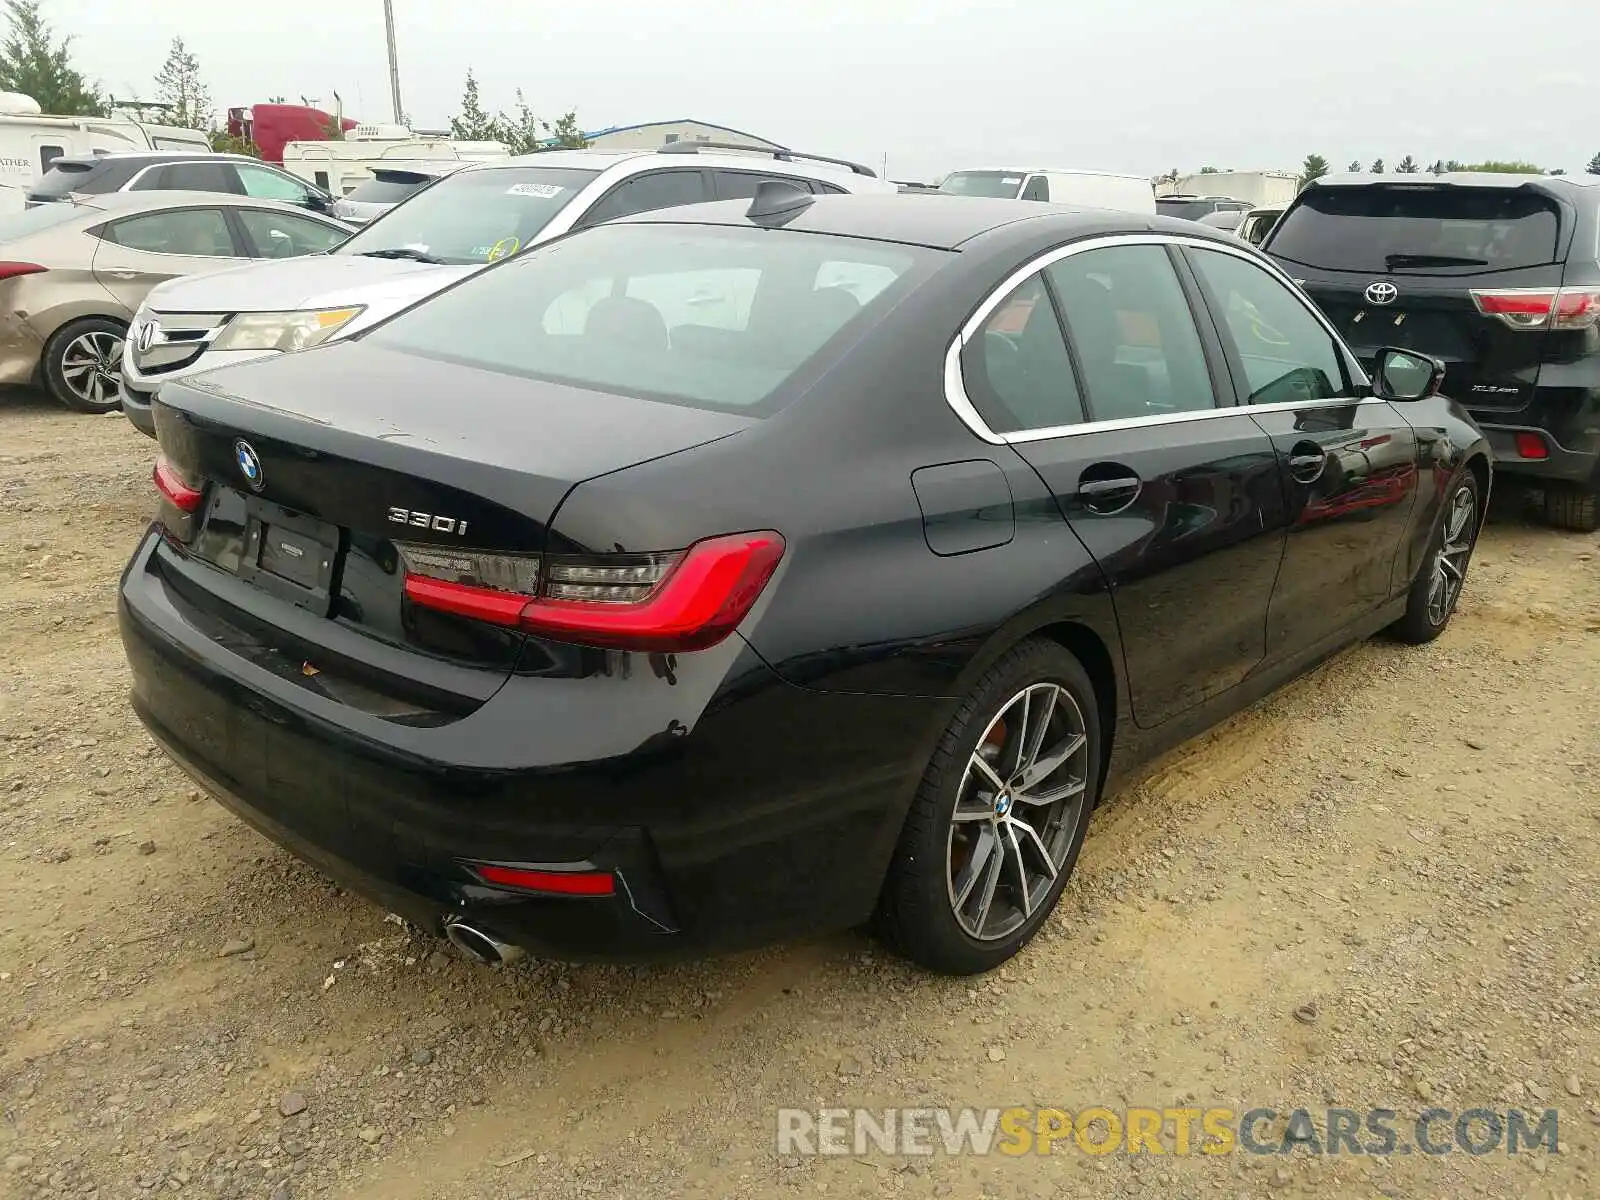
317, 466
1397, 264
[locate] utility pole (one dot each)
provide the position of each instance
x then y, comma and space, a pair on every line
394, 63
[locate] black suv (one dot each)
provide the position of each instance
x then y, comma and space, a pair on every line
1192, 208
171, 171
1499, 276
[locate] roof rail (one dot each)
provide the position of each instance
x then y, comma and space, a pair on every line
779, 154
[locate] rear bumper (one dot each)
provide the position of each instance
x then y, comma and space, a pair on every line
21, 347
1561, 465
769, 813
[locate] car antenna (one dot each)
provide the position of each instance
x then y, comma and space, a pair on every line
776, 202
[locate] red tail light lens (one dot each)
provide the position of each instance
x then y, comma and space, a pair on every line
171, 484
1531, 445
648, 602
11, 270
1541, 308
556, 883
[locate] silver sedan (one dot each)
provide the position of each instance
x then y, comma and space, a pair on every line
73, 274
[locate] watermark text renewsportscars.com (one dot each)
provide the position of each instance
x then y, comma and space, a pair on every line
1022, 1130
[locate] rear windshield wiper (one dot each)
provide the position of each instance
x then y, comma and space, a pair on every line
421, 256
1431, 260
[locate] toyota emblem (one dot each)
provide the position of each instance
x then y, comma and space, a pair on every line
1381, 293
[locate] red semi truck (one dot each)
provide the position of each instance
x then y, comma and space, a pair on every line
271, 126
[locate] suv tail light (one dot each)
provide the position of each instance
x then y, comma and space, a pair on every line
1541, 308
686, 600
10, 270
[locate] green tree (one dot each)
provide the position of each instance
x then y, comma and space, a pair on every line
1594, 165
1438, 167
35, 63
1495, 167
1408, 166
1210, 171
474, 123
1314, 167
1377, 167
224, 142
178, 84
566, 134
1558, 171
1355, 167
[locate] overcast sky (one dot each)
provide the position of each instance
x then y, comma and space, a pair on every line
934, 84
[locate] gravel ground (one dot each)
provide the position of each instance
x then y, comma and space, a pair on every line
1376, 889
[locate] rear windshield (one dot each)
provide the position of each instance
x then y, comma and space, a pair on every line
474, 216
1189, 210
62, 178
390, 188
1375, 229
35, 220
1001, 184
702, 316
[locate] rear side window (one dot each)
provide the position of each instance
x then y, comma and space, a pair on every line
702, 316
190, 177
1381, 229
742, 185
1016, 370
65, 177
1134, 332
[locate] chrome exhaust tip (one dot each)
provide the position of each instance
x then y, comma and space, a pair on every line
480, 946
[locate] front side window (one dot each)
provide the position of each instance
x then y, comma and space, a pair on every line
285, 235
196, 232
262, 184
1016, 370
696, 315
472, 217
647, 193
1134, 333
1287, 354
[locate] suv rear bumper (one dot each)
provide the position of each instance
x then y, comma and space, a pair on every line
1560, 465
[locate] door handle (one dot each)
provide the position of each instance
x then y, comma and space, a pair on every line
1307, 461
1108, 494
124, 274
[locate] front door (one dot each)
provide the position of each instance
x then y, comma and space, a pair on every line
1178, 500
1348, 462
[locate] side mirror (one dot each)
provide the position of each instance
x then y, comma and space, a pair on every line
1405, 375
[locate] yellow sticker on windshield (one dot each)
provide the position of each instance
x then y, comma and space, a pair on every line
503, 247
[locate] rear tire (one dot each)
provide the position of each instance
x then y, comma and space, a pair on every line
82, 364
969, 888
1443, 573
1573, 507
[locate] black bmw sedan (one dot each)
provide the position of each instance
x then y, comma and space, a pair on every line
761, 568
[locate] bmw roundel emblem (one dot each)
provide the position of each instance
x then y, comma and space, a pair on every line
249, 464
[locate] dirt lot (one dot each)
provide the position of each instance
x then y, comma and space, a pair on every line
1402, 847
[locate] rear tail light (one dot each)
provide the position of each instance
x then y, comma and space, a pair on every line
11, 270
687, 600
1531, 445
1542, 308
183, 493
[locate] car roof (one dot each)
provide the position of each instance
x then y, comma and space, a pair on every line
941, 221
1554, 184
121, 203
149, 156
691, 156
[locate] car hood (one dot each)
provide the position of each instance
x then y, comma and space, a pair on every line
315, 281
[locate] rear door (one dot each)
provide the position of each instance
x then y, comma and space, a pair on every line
1177, 499
136, 253
1348, 462
199, 176
1399, 265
